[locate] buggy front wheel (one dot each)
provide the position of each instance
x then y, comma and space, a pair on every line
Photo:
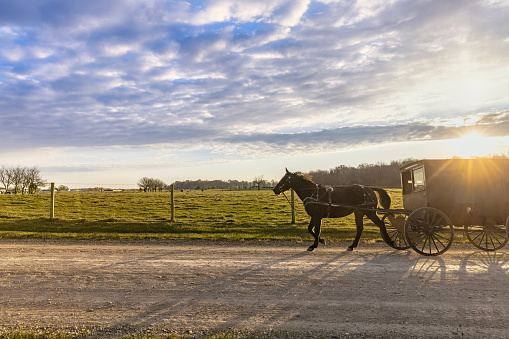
429, 231
395, 226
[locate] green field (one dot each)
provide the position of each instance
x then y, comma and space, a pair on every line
209, 214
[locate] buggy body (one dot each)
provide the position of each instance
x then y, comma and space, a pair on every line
473, 193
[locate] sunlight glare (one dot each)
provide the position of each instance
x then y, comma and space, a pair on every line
473, 145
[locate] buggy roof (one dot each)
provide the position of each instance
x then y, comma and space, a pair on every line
499, 165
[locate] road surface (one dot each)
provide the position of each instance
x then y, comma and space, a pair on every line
110, 288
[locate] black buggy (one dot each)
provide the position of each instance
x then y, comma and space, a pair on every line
441, 195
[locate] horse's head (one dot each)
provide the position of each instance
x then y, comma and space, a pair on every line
284, 184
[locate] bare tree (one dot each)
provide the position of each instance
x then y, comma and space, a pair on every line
18, 174
27, 179
33, 179
158, 184
259, 182
22, 179
144, 183
6, 177
62, 188
151, 184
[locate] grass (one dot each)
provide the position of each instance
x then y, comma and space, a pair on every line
210, 215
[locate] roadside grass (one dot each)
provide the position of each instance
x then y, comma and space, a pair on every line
206, 215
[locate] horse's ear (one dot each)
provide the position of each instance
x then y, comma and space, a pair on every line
287, 171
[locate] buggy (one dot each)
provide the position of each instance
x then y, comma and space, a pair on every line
440, 196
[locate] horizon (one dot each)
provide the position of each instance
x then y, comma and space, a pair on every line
107, 186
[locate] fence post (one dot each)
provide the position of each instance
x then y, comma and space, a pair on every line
172, 188
293, 206
52, 202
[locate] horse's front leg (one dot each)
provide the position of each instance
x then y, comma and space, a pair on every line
360, 227
315, 228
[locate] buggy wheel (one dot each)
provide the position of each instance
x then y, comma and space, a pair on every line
488, 238
395, 225
429, 231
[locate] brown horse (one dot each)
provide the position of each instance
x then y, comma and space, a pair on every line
336, 202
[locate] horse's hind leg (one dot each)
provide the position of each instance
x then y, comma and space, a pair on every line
360, 227
381, 225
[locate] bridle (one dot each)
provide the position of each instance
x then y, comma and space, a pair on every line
288, 181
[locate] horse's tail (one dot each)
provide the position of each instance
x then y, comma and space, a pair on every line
383, 197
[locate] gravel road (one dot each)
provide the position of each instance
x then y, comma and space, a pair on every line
109, 288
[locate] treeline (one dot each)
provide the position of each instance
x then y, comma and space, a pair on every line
212, 184
380, 174
21, 179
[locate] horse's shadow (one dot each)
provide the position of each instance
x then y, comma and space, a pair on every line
308, 273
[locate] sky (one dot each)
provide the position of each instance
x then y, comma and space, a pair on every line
102, 93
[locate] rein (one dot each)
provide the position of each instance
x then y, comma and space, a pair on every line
289, 202
299, 189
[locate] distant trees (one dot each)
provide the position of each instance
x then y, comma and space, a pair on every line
380, 174
151, 184
260, 182
212, 184
21, 179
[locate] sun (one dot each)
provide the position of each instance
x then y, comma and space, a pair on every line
472, 145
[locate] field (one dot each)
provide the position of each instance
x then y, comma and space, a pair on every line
209, 214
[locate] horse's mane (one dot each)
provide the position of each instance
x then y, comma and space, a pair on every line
305, 176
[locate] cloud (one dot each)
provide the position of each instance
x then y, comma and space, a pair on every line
307, 75
361, 136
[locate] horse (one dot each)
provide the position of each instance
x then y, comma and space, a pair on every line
322, 201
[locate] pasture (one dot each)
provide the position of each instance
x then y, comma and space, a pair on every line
209, 215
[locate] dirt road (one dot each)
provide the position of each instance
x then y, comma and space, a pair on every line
111, 288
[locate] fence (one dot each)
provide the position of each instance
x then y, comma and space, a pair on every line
172, 203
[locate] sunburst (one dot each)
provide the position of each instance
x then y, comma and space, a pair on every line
472, 145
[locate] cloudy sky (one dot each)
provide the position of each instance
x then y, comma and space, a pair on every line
104, 92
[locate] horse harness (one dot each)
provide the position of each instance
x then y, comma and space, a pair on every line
327, 196
315, 198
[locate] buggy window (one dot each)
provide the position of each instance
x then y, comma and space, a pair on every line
406, 181
418, 179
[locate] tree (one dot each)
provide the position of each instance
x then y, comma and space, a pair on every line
144, 183
22, 179
259, 182
151, 184
6, 177
18, 179
33, 179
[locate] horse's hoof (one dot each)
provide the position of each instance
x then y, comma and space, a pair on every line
311, 248
322, 241
349, 248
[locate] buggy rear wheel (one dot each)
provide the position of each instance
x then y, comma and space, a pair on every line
429, 231
395, 225
488, 238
